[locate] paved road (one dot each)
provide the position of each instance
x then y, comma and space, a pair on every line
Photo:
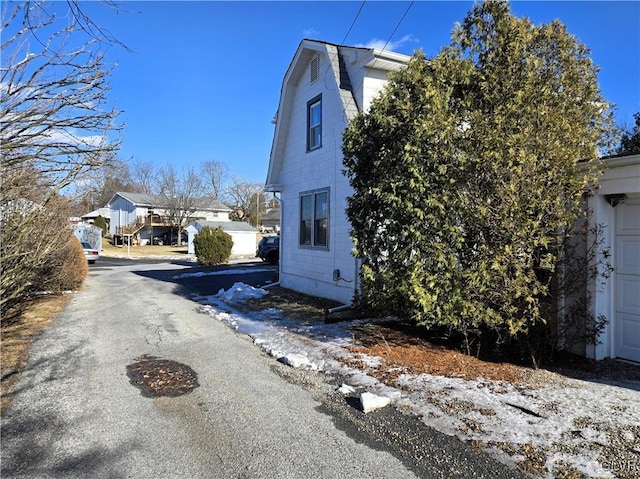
76, 414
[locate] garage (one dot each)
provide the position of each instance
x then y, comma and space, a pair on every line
615, 207
627, 279
244, 236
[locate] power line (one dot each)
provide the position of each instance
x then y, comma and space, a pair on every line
354, 22
398, 25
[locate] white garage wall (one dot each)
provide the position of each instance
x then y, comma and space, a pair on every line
617, 297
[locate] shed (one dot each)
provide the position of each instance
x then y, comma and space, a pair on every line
89, 233
244, 235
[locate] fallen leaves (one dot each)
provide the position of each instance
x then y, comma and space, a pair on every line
156, 377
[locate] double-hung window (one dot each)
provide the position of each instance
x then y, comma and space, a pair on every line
314, 123
314, 219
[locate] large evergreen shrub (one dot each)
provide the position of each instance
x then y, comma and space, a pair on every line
468, 172
100, 222
212, 246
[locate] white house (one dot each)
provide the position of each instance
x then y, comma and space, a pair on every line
146, 216
324, 87
244, 235
90, 217
615, 206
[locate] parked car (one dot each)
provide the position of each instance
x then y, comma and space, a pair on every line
172, 239
90, 252
269, 249
158, 241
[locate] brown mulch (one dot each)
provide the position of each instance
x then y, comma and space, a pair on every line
407, 348
406, 353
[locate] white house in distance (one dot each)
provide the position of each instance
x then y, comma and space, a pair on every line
105, 212
145, 216
325, 86
615, 206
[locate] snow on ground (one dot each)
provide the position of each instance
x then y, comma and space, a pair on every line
575, 424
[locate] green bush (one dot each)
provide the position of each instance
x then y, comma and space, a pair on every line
468, 172
212, 246
101, 223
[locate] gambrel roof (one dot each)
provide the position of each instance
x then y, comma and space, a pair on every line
348, 67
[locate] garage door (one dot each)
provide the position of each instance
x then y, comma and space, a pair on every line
628, 279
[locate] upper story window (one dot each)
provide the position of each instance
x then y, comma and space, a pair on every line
314, 219
314, 123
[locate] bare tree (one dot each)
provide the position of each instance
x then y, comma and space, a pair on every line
247, 199
99, 186
182, 193
52, 115
214, 174
144, 176
55, 128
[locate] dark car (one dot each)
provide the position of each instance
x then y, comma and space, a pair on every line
172, 239
269, 249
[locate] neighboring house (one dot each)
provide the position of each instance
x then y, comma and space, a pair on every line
143, 217
91, 217
270, 222
244, 235
615, 206
325, 86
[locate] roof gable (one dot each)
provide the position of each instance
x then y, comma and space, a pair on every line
235, 226
347, 67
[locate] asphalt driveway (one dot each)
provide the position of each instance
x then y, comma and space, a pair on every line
78, 411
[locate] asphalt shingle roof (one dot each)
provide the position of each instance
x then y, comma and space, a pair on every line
144, 199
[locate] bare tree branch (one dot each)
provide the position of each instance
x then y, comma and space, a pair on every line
182, 194
55, 129
247, 199
214, 173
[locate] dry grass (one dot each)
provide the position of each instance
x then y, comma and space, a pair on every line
139, 251
18, 336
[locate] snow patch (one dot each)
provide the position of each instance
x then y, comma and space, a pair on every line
570, 418
371, 402
295, 360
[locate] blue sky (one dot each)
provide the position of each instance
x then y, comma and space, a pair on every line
203, 79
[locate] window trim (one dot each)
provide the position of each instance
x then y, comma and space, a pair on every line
313, 194
311, 128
